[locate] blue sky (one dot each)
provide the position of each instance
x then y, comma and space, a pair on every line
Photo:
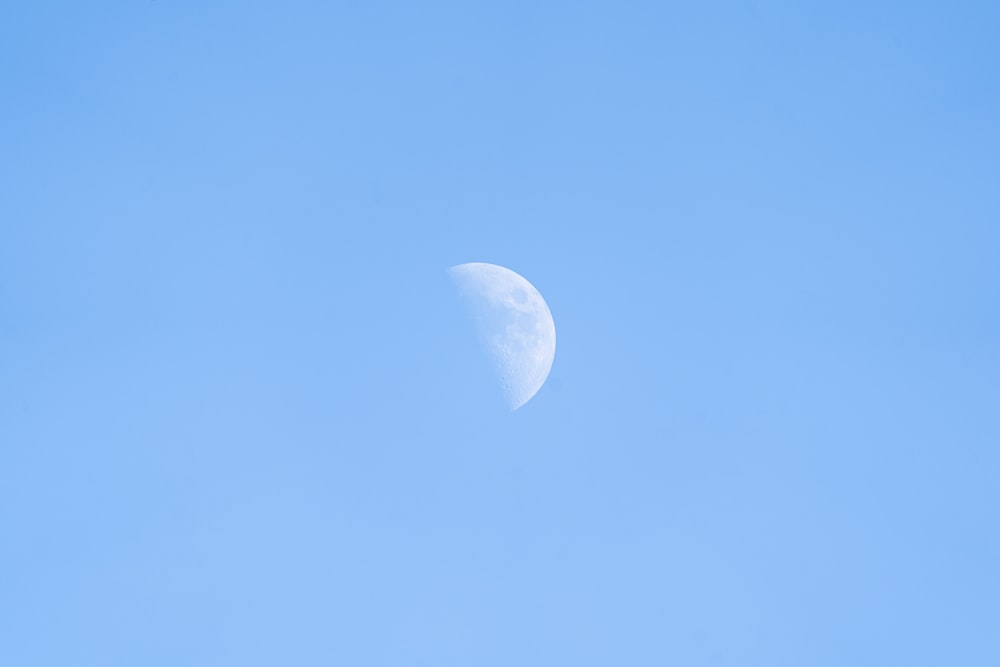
244, 420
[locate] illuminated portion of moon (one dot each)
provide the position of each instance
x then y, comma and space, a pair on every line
514, 324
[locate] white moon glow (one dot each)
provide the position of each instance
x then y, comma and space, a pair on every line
515, 326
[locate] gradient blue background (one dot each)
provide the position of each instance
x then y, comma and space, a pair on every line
244, 421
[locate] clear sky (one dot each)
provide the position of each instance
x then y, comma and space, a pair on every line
244, 419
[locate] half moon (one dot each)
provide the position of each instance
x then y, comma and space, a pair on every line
514, 324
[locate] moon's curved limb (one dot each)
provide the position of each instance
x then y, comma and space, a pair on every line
515, 326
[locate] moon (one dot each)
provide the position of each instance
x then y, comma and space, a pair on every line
514, 324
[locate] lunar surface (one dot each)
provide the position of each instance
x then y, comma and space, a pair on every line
514, 324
